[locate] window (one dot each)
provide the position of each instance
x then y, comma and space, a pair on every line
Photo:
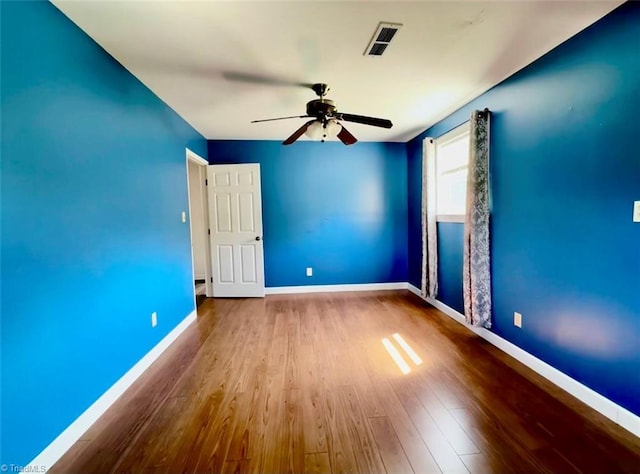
452, 162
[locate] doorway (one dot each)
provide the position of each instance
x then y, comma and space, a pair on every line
198, 226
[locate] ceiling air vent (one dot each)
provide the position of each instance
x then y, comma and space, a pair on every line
381, 38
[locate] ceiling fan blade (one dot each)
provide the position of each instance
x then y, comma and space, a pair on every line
345, 136
280, 118
376, 122
265, 80
298, 133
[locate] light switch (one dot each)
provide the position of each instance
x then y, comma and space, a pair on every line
636, 211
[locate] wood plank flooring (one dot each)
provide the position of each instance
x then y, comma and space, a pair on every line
302, 383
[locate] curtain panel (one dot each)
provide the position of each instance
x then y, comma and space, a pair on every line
429, 286
476, 278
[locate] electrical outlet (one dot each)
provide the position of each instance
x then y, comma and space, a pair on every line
184, 216
517, 320
636, 211
154, 319
309, 271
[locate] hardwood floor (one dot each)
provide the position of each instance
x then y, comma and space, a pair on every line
302, 383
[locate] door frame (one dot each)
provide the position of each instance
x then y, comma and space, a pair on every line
202, 176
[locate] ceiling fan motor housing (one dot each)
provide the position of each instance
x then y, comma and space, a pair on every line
321, 108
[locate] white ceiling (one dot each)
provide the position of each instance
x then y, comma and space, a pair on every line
445, 54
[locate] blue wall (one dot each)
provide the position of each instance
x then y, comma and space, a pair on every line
93, 183
565, 170
341, 210
450, 249
414, 210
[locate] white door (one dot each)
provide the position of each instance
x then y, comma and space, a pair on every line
235, 219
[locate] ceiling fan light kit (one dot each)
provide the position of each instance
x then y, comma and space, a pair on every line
322, 131
326, 121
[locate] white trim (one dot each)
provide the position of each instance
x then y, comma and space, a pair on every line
414, 289
52, 453
189, 154
608, 408
208, 269
192, 156
450, 218
455, 133
204, 200
285, 290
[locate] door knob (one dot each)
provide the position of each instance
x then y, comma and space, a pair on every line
258, 238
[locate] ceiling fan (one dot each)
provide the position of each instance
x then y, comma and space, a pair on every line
326, 120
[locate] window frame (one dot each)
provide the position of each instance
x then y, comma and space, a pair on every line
452, 135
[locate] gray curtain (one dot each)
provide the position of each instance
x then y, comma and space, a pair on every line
429, 287
477, 259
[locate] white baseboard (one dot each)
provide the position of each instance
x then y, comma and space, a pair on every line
285, 290
415, 290
620, 415
52, 453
